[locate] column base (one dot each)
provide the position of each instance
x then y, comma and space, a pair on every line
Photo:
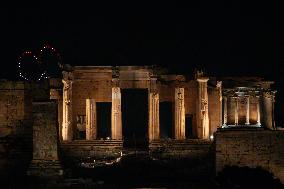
247, 123
45, 168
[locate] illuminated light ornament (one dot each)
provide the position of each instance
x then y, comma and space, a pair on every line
35, 68
23, 68
51, 51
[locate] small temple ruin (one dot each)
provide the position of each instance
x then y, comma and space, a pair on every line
95, 111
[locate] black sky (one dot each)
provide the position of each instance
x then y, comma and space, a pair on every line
225, 38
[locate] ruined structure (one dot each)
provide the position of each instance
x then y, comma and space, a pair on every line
175, 114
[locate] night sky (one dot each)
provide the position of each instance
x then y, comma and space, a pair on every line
227, 38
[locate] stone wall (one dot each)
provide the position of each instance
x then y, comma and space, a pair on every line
252, 148
15, 106
181, 149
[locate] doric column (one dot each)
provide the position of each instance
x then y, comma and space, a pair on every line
154, 127
203, 118
91, 129
67, 132
236, 110
258, 111
179, 114
225, 111
247, 110
116, 125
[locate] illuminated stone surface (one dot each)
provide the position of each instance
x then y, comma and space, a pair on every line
242, 148
45, 160
67, 127
179, 114
203, 117
91, 130
116, 125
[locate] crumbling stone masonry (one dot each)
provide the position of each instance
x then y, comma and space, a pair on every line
45, 160
258, 148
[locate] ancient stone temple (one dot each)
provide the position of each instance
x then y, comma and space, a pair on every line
89, 90
102, 110
196, 106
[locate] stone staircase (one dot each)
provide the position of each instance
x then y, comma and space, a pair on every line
93, 143
180, 144
89, 150
188, 148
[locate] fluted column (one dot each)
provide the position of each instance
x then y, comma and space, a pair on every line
203, 118
67, 130
116, 125
179, 114
236, 110
91, 129
247, 110
154, 127
225, 111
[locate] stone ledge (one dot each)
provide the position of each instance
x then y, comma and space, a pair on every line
45, 168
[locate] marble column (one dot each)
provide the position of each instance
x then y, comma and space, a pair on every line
258, 111
236, 110
154, 122
67, 130
179, 114
225, 111
247, 110
203, 117
91, 129
116, 123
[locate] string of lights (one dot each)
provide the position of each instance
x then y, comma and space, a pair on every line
20, 65
38, 60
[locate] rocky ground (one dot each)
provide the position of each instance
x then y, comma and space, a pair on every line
140, 170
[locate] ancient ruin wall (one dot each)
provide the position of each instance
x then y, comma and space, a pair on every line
15, 107
260, 148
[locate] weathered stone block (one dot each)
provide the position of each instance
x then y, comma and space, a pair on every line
45, 140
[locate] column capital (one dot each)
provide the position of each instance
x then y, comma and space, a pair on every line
219, 84
67, 76
202, 79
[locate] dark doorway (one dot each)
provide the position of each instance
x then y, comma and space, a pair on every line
166, 120
188, 126
103, 119
135, 118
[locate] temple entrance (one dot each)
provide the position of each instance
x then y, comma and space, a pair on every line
134, 118
103, 120
188, 126
166, 120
